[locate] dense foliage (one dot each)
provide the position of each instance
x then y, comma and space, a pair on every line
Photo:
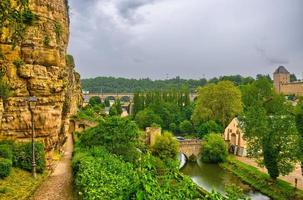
166, 147
213, 149
165, 108
91, 113
117, 135
20, 155
101, 175
23, 156
103, 172
111, 84
219, 102
209, 127
270, 128
299, 124
5, 167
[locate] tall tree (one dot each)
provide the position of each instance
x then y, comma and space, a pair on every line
269, 129
219, 102
299, 124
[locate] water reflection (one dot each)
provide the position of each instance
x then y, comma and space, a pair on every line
211, 176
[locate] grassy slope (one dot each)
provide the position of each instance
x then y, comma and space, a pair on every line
262, 182
19, 185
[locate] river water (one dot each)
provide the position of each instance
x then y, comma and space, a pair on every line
213, 177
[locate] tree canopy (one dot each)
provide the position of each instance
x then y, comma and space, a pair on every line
219, 102
270, 128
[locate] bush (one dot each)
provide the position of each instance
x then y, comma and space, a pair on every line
5, 167
22, 157
186, 127
173, 127
6, 151
118, 135
209, 127
165, 147
102, 175
147, 117
213, 149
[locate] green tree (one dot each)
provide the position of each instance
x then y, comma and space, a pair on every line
270, 130
118, 135
106, 102
95, 100
213, 149
209, 127
166, 147
173, 127
186, 127
113, 111
219, 102
146, 118
299, 124
118, 107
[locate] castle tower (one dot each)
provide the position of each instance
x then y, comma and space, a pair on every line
281, 76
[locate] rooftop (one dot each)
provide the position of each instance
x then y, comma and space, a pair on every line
281, 70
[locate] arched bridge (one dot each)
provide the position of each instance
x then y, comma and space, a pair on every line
122, 96
190, 147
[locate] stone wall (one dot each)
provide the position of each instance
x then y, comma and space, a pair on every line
43, 73
292, 88
190, 148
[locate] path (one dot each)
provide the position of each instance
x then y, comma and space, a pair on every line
290, 178
59, 185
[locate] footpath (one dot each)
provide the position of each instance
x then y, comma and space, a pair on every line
59, 185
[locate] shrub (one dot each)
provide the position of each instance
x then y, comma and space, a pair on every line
22, 157
6, 151
102, 175
147, 117
186, 127
118, 135
95, 100
165, 147
173, 127
5, 167
209, 127
213, 149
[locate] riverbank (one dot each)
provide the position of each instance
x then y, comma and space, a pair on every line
278, 189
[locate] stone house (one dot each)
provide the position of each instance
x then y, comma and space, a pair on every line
233, 136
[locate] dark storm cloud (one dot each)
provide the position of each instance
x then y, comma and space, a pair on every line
192, 38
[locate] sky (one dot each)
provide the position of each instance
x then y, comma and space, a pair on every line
161, 39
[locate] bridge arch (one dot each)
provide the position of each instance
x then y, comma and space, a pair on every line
190, 148
111, 98
125, 99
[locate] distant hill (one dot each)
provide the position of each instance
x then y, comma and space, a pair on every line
111, 84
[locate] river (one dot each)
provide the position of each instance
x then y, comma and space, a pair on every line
213, 177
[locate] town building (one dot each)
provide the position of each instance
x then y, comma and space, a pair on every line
233, 136
282, 83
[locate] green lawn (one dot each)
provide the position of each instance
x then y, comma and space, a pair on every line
19, 185
278, 189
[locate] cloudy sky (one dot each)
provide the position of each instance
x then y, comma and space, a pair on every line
189, 38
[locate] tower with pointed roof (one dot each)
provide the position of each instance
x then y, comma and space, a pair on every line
281, 77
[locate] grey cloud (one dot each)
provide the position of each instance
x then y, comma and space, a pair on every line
186, 38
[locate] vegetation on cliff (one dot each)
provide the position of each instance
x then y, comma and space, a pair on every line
130, 173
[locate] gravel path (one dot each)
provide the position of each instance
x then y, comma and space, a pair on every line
59, 185
290, 178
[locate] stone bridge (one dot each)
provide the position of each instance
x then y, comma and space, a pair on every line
122, 96
190, 147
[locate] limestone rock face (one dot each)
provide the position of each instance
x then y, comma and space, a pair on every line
45, 73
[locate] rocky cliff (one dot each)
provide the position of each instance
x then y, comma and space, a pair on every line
33, 62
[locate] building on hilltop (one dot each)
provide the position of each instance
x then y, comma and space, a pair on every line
283, 85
